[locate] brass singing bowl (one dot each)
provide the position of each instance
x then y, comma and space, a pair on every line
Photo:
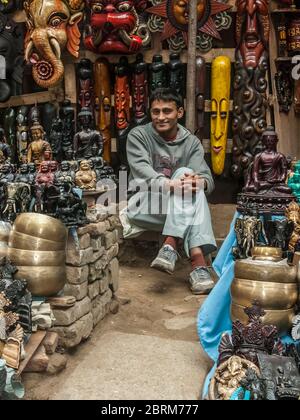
268, 271
281, 319
276, 296
3, 249
21, 257
43, 281
32, 243
266, 253
41, 226
5, 229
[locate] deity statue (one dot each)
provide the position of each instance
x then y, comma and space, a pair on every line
65, 174
56, 136
22, 134
6, 174
85, 76
228, 376
158, 73
69, 155
43, 181
32, 172
67, 115
85, 178
71, 210
24, 175
293, 214
87, 137
269, 171
177, 75
53, 165
4, 148
103, 103
38, 146
98, 164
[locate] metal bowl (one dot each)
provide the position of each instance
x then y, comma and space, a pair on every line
3, 249
32, 243
41, 226
21, 257
43, 281
281, 319
266, 253
268, 271
272, 296
5, 229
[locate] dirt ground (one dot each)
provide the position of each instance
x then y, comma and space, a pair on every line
151, 303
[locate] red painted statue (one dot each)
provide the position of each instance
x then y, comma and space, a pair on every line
115, 27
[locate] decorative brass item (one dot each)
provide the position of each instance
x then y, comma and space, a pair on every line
271, 283
31, 243
228, 376
248, 231
86, 178
220, 101
44, 270
266, 253
293, 214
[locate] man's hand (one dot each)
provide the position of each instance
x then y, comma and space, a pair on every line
189, 183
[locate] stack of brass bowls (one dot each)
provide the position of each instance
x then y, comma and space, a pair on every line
37, 246
5, 229
271, 281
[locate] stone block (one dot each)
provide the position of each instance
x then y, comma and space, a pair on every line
114, 222
94, 229
39, 362
79, 257
72, 335
98, 310
96, 243
79, 291
97, 255
77, 275
101, 264
57, 363
93, 290
69, 316
104, 282
113, 252
82, 242
114, 270
111, 238
50, 342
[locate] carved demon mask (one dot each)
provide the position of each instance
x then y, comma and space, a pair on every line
115, 26
253, 28
52, 27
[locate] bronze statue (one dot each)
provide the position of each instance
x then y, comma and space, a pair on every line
248, 230
87, 137
250, 84
38, 146
24, 175
293, 214
85, 178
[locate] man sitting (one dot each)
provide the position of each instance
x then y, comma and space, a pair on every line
168, 177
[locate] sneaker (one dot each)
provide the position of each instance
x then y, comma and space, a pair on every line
201, 281
166, 259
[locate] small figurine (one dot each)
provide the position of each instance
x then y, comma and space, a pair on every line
177, 80
32, 172
85, 76
56, 138
43, 181
71, 210
24, 175
293, 214
4, 148
158, 74
6, 174
85, 178
22, 134
87, 136
248, 231
140, 91
65, 174
38, 146
67, 115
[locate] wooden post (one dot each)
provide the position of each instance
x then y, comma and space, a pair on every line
191, 67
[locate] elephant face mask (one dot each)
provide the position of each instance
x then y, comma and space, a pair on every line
220, 91
115, 27
52, 27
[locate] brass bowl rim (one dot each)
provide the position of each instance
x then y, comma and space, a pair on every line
266, 251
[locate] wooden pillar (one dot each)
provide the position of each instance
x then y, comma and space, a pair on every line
191, 67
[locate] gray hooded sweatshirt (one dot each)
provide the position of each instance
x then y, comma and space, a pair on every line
152, 159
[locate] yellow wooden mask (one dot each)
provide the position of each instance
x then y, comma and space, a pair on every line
220, 101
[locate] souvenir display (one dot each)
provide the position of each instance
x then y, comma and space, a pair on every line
266, 182
116, 27
52, 27
171, 17
122, 107
250, 84
200, 95
38, 146
11, 64
103, 104
140, 91
220, 104
249, 232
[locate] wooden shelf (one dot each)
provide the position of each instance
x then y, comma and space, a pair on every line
33, 98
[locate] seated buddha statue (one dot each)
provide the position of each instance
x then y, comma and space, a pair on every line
268, 173
86, 178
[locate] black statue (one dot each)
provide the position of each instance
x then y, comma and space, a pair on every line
67, 115
6, 174
32, 172
177, 76
56, 138
11, 63
285, 88
24, 175
49, 113
248, 230
71, 210
22, 134
87, 138
158, 74
279, 233
5, 150
65, 174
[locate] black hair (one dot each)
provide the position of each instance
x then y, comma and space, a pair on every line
166, 95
